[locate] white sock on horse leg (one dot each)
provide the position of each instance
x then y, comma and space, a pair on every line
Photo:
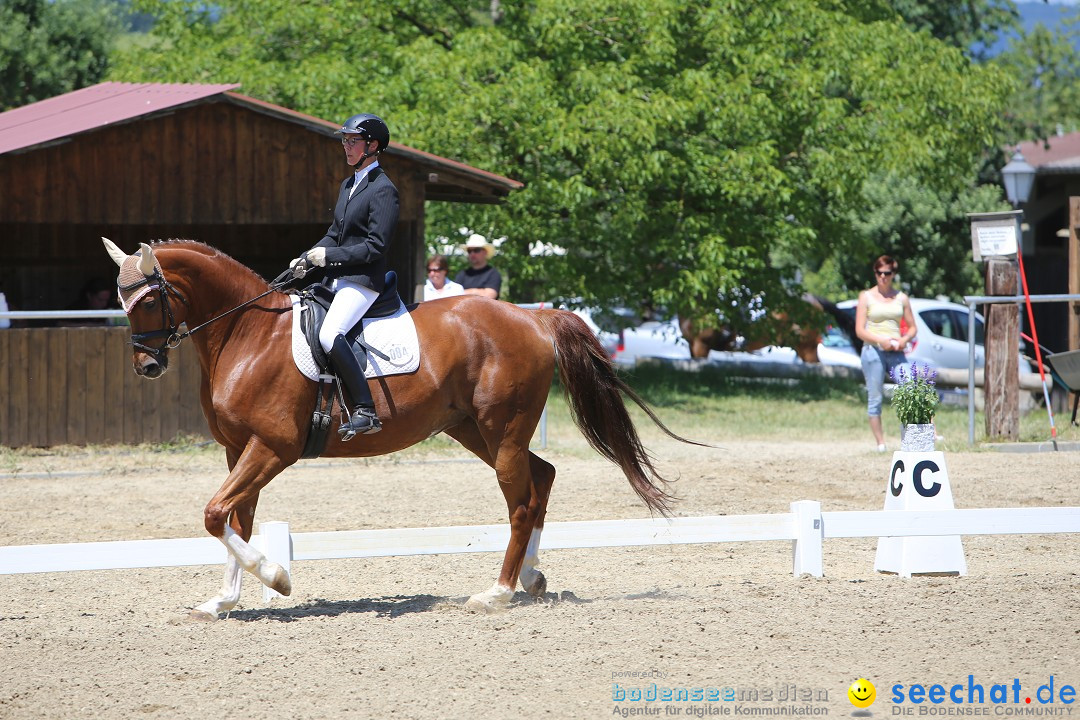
529, 566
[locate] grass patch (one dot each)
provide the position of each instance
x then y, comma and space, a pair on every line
711, 404
708, 405
714, 404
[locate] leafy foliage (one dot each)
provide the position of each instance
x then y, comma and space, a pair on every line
915, 398
927, 230
681, 152
49, 48
971, 26
1047, 66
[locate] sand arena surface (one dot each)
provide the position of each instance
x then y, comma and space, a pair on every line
389, 638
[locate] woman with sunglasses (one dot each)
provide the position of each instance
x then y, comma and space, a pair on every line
437, 285
877, 323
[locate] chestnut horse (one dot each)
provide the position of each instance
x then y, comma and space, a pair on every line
727, 339
484, 379
753, 336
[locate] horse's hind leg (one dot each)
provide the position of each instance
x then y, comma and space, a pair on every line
532, 580
525, 481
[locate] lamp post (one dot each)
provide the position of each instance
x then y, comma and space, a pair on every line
1019, 177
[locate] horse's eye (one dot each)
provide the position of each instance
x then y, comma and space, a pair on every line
149, 302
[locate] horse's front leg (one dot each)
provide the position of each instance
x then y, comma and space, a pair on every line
234, 574
234, 504
228, 597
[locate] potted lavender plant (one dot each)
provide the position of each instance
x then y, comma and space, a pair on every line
915, 400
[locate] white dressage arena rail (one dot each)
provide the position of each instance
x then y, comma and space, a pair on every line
806, 526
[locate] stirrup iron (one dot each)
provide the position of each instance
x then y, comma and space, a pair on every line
362, 421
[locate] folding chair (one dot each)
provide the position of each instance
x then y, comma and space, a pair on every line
1065, 367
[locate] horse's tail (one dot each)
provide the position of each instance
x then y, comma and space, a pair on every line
594, 392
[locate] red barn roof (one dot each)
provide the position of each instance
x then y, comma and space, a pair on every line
110, 103
93, 107
1059, 154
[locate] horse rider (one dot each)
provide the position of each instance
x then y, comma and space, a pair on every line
353, 256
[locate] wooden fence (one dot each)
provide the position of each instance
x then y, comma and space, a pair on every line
76, 386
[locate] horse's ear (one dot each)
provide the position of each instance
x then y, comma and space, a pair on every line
118, 255
146, 262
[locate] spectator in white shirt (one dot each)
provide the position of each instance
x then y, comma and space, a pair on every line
437, 286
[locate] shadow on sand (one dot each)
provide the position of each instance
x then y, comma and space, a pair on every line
390, 606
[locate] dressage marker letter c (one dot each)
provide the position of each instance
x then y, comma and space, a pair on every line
917, 478
895, 487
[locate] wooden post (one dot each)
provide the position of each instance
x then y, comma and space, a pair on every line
1001, 388
1074, 272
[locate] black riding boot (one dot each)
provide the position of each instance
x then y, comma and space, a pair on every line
363, 421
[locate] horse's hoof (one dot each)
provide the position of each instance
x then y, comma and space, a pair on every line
196, 615
280, 581
494, 600
483, 607
538, 587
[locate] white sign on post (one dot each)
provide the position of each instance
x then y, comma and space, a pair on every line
997, 240
995, 234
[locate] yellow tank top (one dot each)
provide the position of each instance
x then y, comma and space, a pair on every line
883, 318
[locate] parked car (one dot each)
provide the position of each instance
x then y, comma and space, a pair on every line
835, 348
663, 339
653, 338
941, 340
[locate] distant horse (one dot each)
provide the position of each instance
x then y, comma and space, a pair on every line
727, 338
751, 337
483, 380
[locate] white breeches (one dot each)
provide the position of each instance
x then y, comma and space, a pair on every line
351, 301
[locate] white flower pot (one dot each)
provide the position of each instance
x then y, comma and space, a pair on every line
917, 438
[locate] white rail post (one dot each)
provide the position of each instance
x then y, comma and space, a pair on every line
806, 549
277, 547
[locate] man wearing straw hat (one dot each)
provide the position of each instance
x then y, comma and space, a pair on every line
479, 278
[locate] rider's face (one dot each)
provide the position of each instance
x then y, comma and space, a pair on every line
354, 146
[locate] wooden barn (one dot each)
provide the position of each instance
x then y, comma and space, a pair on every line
135, 162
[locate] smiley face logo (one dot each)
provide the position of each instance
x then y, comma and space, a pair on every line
862, 693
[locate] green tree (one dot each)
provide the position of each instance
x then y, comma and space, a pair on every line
324, 58
679, 151
1046, 65
928, 231
49, 48
971, 26
675, 149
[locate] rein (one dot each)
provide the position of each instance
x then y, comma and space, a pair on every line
273, 288
169, 327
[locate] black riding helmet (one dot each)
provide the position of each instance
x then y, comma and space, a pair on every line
368, 126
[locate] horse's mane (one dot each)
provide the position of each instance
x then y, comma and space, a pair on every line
236, 267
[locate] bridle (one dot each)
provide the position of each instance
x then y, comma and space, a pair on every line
170, 327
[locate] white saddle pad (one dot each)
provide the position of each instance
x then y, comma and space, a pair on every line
393, 336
